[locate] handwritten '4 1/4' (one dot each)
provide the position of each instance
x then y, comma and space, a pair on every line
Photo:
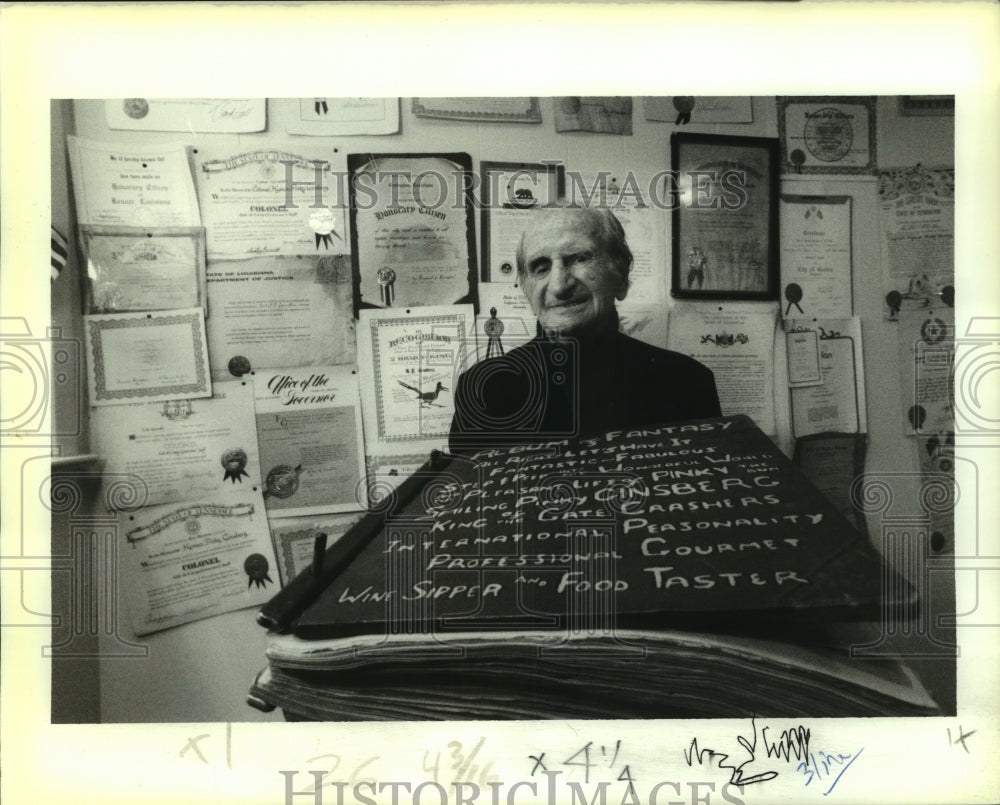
587, 757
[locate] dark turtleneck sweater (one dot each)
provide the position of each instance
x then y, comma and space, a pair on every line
552, 389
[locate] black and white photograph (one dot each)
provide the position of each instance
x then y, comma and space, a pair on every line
639, 536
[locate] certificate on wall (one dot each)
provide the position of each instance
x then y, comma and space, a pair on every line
278, 312
739, 348
683, 109
412, 233
135, 269
645, 225
637, 201
481, 110
183, 449
187, 561
725, 224
827, 134
137, 357
603, 114
123, 185
294, 539
837, 403
270, 201
832, 462
224, 115
511, 192
917, 229
337, 117
309, 431
409, 363
386, 471
927, 369
816, 274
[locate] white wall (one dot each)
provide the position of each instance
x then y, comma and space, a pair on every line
200, 672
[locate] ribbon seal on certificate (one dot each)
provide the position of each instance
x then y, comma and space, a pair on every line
256, 567
793, 294
684, 104
828, 134
386, 278
324, 224
282, 481
235, 462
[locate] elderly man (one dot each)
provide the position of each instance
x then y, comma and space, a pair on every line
580, 376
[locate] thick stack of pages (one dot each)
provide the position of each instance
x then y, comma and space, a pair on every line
640, 674
686, 570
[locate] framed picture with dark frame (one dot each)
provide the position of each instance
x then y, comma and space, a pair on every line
511, 191
725, 221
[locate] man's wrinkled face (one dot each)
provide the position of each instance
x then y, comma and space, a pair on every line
569, 280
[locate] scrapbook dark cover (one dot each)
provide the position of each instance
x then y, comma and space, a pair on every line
693, 524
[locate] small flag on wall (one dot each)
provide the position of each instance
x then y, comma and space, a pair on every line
60, 253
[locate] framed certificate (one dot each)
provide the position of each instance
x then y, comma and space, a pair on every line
510, 192
131, 269
725, 224
827, 135
409, 361
413, 239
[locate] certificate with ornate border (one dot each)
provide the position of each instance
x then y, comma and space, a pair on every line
132, 269
413, 235
482, 110
294, 539
725, 222
827, 134
409, 361
147, 357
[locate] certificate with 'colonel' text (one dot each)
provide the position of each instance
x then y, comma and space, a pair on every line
270, 201
409, 362
137, 357
186, 561
181, 449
